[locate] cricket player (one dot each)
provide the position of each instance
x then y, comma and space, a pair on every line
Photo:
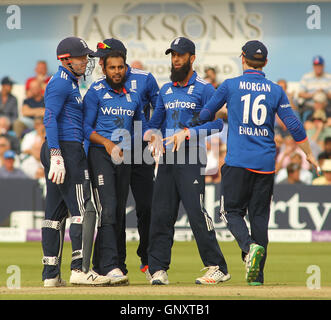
142, 173
248, 173
66, 169
109, 111
178, 106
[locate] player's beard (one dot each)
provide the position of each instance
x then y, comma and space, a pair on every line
178, 75
115, 85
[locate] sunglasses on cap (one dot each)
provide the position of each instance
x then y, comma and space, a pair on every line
102, 45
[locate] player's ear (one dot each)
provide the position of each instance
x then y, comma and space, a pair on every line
101, 62
266, 61
102, 65
192, 58
64, 62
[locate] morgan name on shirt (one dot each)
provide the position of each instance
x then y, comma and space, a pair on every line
254, 86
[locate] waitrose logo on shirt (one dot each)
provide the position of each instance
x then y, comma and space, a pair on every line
180, 104
119, 111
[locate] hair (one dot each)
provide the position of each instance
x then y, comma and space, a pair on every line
322, 156
281, 80
114, 54
211, 69
6, 138
327, 140
255, 64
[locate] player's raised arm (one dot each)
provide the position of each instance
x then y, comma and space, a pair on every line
193, 133
215, 103
296, 129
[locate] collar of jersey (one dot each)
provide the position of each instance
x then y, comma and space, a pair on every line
125, 91
189, 82
71, 75
254, 72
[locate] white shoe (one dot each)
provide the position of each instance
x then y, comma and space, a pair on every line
55, 282
213, 276
144, 269
159, 277
116, 276
91, 278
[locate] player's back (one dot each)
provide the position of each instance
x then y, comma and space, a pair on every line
252, 102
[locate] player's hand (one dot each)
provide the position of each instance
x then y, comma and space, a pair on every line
177, 139
114, 151
57, 170
311, 159
155, 146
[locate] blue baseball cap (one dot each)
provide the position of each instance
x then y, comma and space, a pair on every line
318, 60
181, 45
9, 154
72, 47
255, 50
107, 45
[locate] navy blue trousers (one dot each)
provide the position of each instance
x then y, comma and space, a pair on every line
142, 183
246, 192
71, 196
110, 183
175, 183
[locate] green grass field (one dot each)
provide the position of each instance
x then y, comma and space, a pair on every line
285, 274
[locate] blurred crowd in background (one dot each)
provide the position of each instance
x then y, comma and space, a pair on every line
22, 131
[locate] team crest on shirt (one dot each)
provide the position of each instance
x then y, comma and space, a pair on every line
190, 89
133, 85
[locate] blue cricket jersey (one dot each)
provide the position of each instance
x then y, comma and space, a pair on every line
63, 118
145, 85
111, 114
179, 107
252, 102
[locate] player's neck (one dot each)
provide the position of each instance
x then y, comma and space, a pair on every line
246, 67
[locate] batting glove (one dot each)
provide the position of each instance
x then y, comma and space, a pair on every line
57, 171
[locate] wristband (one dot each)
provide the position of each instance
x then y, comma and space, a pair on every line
55, 152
